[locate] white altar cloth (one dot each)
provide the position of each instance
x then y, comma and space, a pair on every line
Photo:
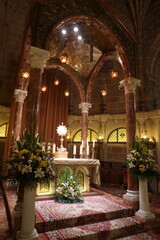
93, 163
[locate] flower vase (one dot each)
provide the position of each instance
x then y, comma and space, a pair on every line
144, 211
28, 231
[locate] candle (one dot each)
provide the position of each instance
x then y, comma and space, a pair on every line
80, 152
93, 143
87, 149
82, 143
74, 149
54, 148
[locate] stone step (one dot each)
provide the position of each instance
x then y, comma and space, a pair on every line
110, 229
51, 215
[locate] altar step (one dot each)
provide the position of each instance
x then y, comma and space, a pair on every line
98, 218
106, 230
51, 215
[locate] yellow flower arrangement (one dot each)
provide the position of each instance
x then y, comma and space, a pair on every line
28, 164
141, 161
68, 188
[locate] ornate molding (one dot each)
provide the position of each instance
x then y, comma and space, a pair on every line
130, 84
84, 106
38, 57
20, 95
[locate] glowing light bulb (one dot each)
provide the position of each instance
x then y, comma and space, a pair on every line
79, 37
44, 88
75, 29
56, 82
25, 74
67, 93
64, 31
103, 92
114, 73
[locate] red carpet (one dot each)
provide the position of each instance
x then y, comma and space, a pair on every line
52, 215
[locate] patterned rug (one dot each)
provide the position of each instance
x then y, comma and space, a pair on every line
110, 229
52, 215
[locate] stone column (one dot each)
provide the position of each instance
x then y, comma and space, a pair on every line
28, 231
37, 59
144, 211
132, 196
19, 95
84, 106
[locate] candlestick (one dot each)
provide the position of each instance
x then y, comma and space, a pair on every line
93, 144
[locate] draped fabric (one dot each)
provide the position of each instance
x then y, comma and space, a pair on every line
53, 110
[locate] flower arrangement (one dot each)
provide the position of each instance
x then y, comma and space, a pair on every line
68, 188
28, 164
141, 161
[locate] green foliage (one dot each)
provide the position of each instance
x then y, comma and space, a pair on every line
141, 161
28, 164
68, 188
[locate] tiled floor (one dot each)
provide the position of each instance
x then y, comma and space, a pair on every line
117, 193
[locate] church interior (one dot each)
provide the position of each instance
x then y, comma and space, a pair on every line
91, 68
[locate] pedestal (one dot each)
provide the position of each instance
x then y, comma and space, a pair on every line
28, 231
144, 211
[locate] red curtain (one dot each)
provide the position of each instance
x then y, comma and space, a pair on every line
53, 110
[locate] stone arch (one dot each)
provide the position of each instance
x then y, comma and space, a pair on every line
71, 75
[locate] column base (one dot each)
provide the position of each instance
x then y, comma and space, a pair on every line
144, 215
131, 196
33, 236
131, 199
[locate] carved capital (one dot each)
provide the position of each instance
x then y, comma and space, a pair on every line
20, 95
38, 57
130, 84
85, 107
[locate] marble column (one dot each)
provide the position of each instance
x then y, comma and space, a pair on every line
19, 95
37, 59
84, 106
132, 196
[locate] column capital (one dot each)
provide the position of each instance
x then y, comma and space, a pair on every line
37, 57
20, 95
130, 84
85, 107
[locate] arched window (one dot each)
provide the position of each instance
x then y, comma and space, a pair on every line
92, 136
4, 130
118, 135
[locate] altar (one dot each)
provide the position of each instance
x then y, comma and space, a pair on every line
87, 171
